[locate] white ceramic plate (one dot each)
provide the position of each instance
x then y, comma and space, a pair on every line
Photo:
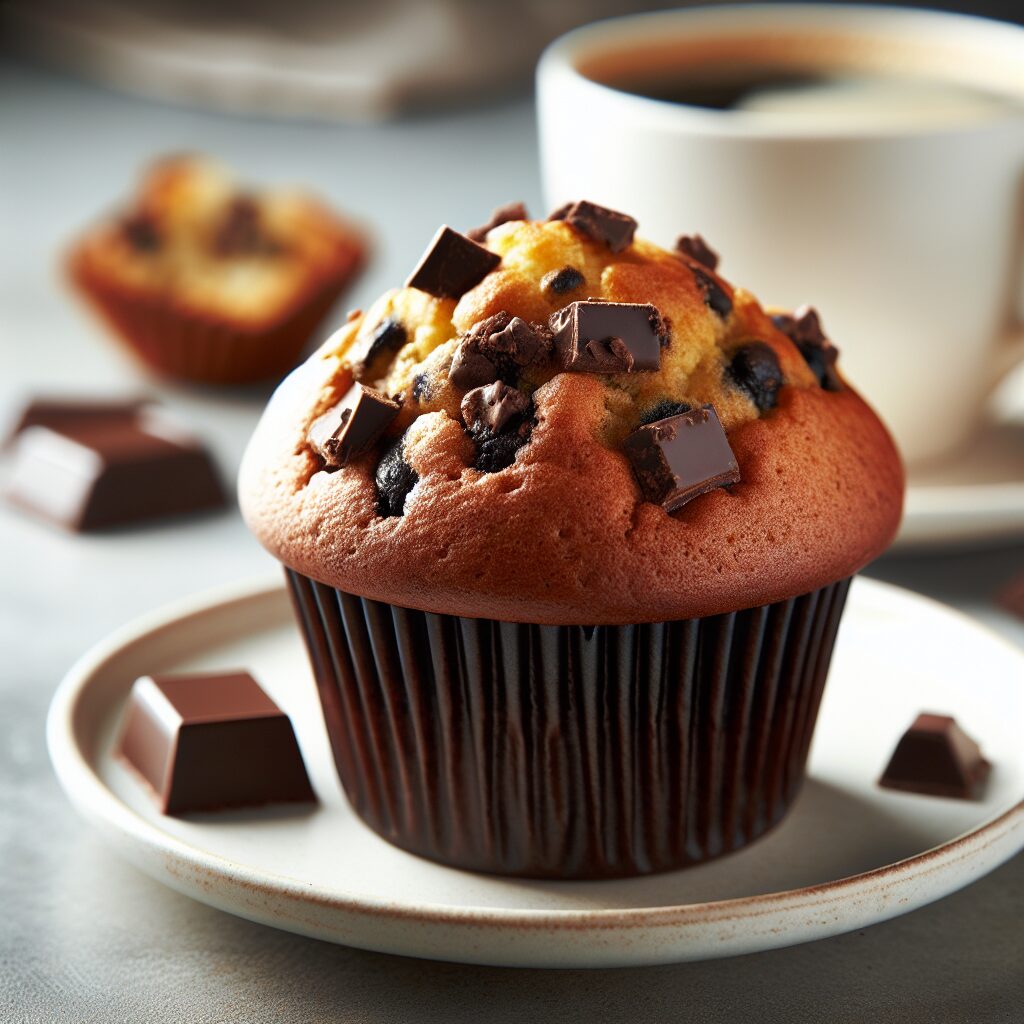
848, 855
976, 497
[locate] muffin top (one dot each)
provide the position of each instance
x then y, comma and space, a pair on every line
194, 237
556, 422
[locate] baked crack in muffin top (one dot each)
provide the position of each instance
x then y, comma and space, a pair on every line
560, 423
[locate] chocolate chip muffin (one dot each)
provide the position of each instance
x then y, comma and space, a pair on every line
569, 522
206, 281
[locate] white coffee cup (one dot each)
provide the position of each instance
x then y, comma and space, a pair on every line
905, 233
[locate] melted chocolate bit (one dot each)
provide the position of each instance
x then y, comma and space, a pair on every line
804, 329
716, 297
93, 474
352, 426
394, 478
665, 408
493, 407
502, 215
681, 457
452, 265
212, 742
936, 757
498, 348
370, 356
755, 368
421, 388
695, 248
241, 231
610, 227
560, 282
608, 337
495, 452
141, 232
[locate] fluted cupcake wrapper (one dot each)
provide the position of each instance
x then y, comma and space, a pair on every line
568, 751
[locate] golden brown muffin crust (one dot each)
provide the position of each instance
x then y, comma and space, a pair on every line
564, 535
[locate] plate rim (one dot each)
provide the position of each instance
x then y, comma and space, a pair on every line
95, 801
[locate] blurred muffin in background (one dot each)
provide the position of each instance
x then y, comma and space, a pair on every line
208, 282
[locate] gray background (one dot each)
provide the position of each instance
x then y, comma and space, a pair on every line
83, 936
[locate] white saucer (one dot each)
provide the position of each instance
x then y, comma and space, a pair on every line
977, 497
850, 854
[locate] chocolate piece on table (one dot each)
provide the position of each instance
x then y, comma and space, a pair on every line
695, 248
61, 412
493, 407
614, 229
608, 337
716, 297
937, 758
352, 426
370, 355
1011, 597
212, 741
755, 368
803, 328
561, 282
452, 265
680, 457
497, 348
94, 475
502, 215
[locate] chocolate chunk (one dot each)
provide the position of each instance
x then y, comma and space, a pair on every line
498, 348
241, 232
395, 478
141, 232
91, 475
470, 367
210, 742
69, 413
936, 757
371, 355
502, 215
612, 228
1011, 597
716, 297
755, 368
804, 329
352, 426
608, 337
663, 409
452, 265
695, 248
680, 457
493, 407
560, 282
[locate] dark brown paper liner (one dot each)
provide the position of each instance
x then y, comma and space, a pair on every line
568, 751
185, 345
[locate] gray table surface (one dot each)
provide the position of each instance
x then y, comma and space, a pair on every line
83, 936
